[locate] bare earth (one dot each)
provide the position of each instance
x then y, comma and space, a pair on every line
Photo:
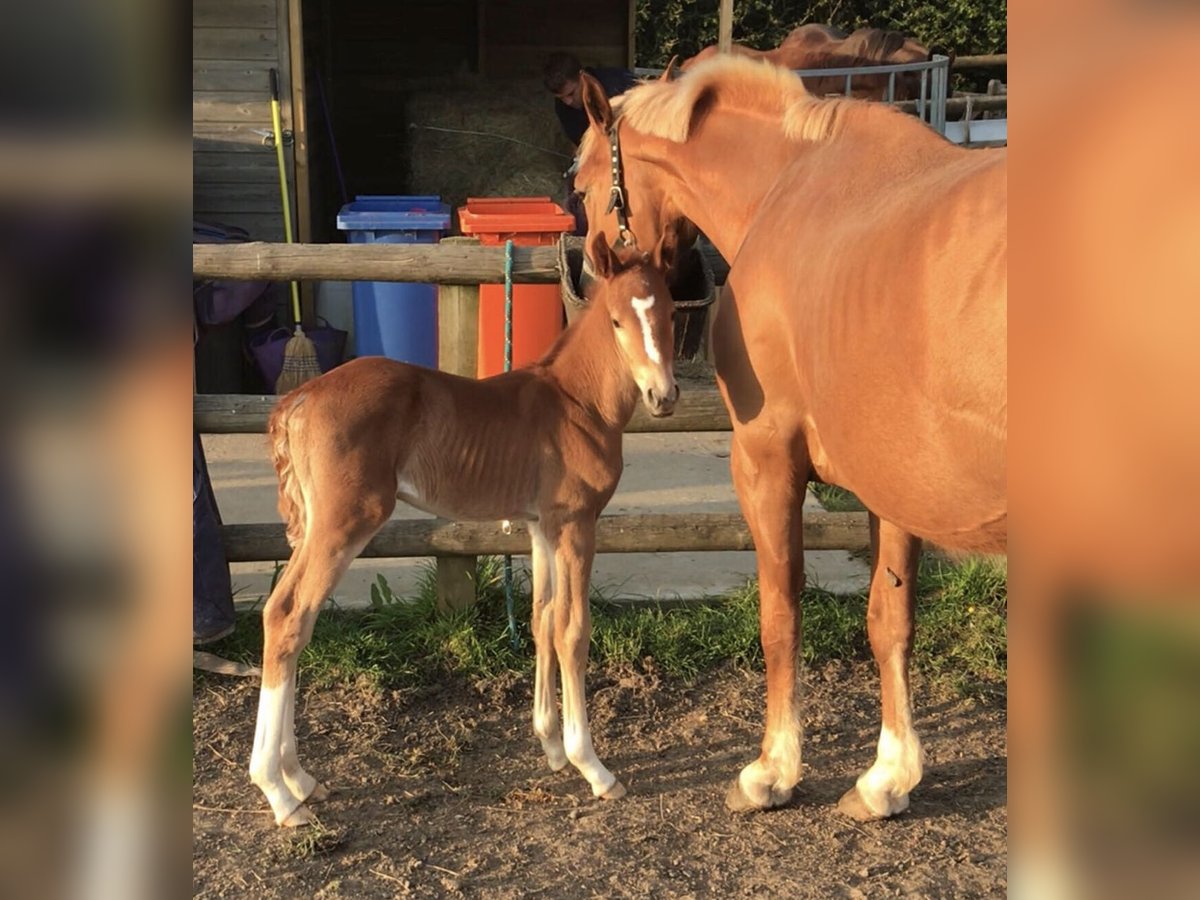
442, 791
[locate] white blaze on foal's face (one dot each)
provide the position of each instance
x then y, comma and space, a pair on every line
642, 306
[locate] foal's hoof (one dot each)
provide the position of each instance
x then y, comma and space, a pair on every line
301, 815
737, 800
853, 805
318, 793
616, 792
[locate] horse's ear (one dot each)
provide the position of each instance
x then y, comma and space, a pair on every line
595, 102
604, 263
669, 71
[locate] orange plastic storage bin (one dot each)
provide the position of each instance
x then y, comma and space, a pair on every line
537, 308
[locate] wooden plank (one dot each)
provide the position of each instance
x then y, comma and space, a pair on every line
294, 65
980, 61
233, 13
233, 168
250, 197
698, 409
658, 533
235, 43
230, 136
231, 75
725, 26
374, 262
231, 106
631, 34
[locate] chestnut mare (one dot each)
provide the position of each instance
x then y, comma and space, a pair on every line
541, 445
861, 338
815, 46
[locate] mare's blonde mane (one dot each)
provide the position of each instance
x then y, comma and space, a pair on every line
664, 108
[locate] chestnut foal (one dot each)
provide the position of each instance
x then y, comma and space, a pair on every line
541, 444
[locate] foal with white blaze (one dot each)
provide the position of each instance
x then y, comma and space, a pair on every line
541, 444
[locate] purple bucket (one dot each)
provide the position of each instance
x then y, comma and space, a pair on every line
268, 349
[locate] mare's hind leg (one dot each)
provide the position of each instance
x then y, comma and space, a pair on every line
575, 548
770, 475
327, 550
545, 701
883, 789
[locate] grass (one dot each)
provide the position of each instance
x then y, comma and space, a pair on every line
834, 498
961, 632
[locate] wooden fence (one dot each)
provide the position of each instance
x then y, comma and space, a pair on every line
459, 266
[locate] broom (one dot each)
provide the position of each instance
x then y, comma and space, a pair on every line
300, 355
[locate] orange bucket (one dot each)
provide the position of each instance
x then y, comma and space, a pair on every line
537, 308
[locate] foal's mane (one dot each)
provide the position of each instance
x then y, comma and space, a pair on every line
665, 108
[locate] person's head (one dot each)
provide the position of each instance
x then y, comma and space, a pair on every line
561, 77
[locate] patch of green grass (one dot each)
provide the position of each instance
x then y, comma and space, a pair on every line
835, 499
961, 631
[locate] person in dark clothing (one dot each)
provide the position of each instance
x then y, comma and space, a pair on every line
561, 77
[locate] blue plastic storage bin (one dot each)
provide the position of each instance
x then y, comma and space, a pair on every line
395, 319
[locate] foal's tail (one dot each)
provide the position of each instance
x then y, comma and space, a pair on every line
291, 498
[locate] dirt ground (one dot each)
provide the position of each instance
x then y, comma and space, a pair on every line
443, 791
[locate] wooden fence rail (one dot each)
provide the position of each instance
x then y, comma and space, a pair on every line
697, 410
657, 533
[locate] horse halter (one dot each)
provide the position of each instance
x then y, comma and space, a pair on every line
616, 195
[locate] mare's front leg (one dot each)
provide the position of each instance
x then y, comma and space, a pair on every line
883, 789
545, 701
770, 474
575, 548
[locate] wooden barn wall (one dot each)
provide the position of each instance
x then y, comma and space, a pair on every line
234, 176
387, 62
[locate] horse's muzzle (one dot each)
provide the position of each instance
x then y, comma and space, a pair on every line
661, 405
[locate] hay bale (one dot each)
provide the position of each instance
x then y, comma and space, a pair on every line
458, 165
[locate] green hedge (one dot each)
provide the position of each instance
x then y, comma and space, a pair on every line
668, 27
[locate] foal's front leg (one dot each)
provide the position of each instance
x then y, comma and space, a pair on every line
576, 546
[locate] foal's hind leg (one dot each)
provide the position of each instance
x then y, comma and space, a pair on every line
883, 789
317, 566
545, 701
770, 475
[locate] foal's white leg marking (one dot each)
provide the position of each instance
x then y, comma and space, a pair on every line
641, 306
572, 661
885, 786
302, 785
265, 761
545, 707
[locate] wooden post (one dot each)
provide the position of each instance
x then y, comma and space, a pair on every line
458, 327
725, 27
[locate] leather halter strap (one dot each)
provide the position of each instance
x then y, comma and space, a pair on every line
616, 196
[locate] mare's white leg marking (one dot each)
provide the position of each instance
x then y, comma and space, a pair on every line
769, 782
577, 737
641, 306
265, 762
545, 706
898, 764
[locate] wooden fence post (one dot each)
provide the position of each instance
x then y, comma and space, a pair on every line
458, 327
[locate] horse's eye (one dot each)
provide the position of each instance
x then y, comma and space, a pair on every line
616, 324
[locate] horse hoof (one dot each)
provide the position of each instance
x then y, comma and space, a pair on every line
301, 815
318, 793
853, 805
616, 792
557, 762
737, 800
